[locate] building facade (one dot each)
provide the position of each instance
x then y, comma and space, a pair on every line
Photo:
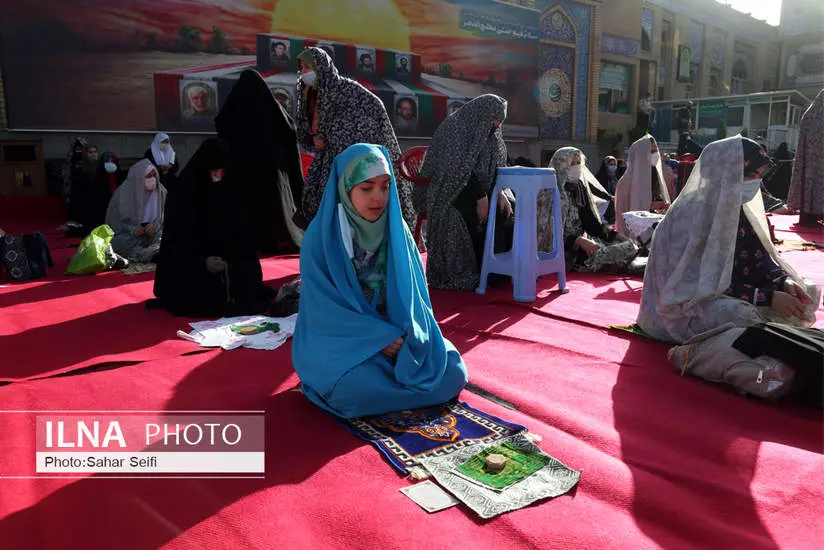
802, 46
679, 49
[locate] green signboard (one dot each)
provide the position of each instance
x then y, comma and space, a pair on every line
711, 109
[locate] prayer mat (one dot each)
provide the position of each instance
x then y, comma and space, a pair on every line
788, 244
552, 480
406, 437
520, 464
137, 268
254, 332
636, 330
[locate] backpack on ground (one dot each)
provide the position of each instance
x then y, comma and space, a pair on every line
25, 258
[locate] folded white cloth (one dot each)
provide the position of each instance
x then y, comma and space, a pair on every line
640, 224
254, 332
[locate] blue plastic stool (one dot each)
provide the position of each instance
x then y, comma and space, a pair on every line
524, 263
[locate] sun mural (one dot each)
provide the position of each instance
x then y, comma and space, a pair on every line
378, 23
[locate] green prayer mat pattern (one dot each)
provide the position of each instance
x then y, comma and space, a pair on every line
521, 464
550, 481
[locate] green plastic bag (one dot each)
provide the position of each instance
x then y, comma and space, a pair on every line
90, 257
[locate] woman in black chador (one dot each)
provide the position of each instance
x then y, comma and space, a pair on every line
265, 161
208, 263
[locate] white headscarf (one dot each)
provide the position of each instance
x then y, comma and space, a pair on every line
162, 158
151, 198
690, 267
135, 205
634, 190
561, 162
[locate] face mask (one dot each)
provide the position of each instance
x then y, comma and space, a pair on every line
150, 184
110, 167
308, 78
164, 147
749, 189
654, 158
612, 169
574, 173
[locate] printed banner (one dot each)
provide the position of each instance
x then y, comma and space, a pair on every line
166, 64
143, 443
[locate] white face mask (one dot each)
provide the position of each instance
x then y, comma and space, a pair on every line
654, 158
308, 78
574, 172
749, 189
110, 167
164, 147
150, 184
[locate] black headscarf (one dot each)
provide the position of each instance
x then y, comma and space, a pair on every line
783, 152
90, 193
778, 177
206, 219
755, 156
603, 176
266, 158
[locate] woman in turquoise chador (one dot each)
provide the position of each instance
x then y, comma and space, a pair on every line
366, 340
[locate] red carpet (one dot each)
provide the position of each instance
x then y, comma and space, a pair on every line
669, 462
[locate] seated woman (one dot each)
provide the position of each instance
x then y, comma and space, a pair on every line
90, 193
714, 262
589, 243
669, 168
136, 214
778, 180
366, 341
608, 175
461, 164
642, 187
74, 158
114, 175
162, 155
208, 263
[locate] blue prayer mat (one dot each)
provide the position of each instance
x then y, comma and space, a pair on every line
407, 436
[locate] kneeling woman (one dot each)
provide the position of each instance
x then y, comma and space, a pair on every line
366, 340
208, 263
136, 214
714, 262
589, 243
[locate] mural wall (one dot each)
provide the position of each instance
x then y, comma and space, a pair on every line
169, 64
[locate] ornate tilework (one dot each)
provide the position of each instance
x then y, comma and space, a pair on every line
557, 26
556, 89
556, 58
582, 16
620, 45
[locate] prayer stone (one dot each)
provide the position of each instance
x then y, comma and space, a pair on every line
495, 462
248, 331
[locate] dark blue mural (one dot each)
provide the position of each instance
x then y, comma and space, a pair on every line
564, 71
